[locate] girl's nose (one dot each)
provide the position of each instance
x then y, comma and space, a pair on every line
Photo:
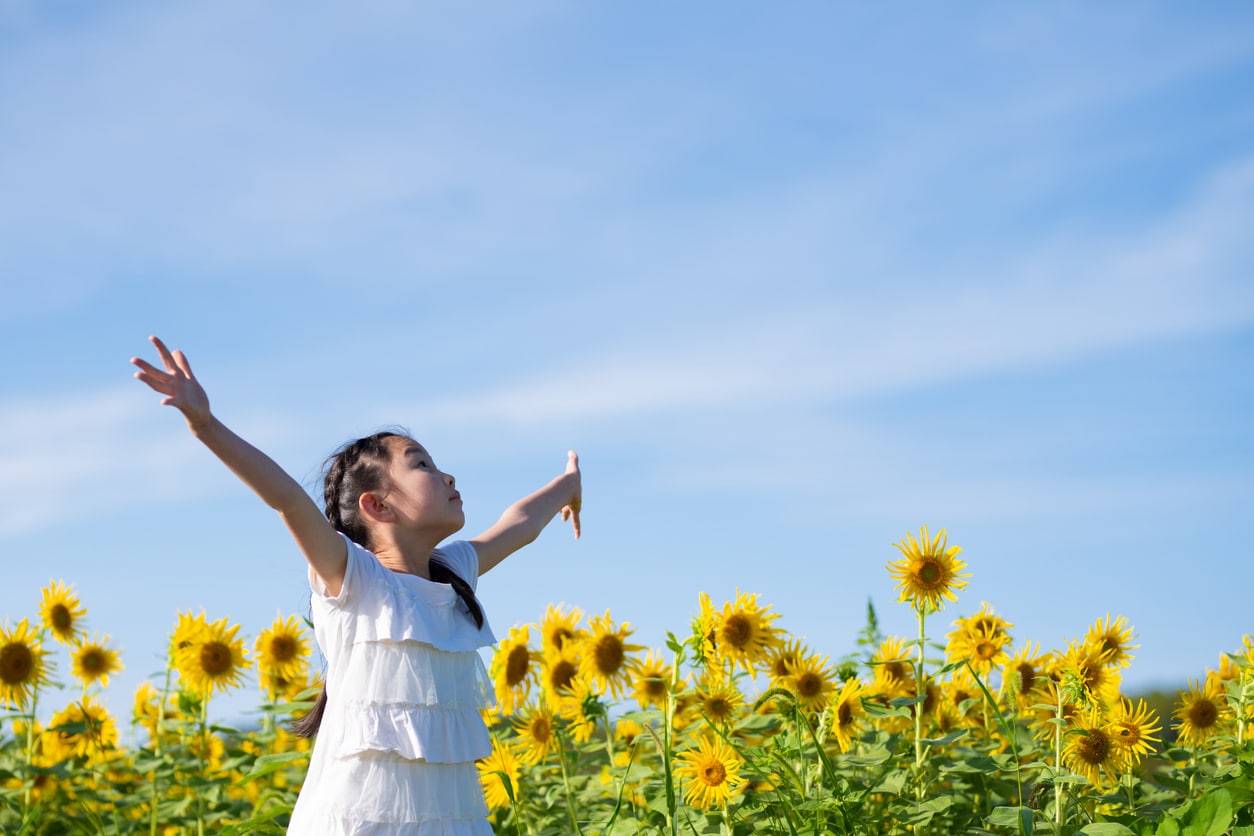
451, 480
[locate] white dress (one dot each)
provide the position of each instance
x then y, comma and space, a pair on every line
397, 747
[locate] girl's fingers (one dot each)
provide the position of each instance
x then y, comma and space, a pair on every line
155, 384
166, 357
574, 520
572, 461
147, 368
181, 359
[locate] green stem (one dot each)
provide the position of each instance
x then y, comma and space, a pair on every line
1058, 763
920, 696
204, 763
30, 754
570, 798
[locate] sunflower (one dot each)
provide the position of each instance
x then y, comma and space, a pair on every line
957, 705
712, 773
651, 680
94, 660
782, 657
847, 713
743, 634
213, 660
604, 658
502, 760
189, 630
627, 731
559, 626
811, 679
719, 699
558, 671
1111, 640
513, 669
83, 729
1134, 728
1202, 712
282, 649
1093, 751
536, 727
929, 570
581, 708
22, 666
62, 612
1026, 674
982, 646
1101, 682
893, 669
1045, 710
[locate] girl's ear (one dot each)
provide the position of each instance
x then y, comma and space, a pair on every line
373, 508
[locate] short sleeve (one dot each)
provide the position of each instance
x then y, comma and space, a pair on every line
462, 558
359, 565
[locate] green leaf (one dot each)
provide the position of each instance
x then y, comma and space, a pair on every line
1210, 815
1168, 827
267, 764
1106, 828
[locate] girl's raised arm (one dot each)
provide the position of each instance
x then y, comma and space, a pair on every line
523, 521
318, 540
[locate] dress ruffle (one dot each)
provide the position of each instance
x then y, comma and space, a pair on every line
415, 673
438, 734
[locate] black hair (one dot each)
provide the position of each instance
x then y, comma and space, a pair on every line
356, 468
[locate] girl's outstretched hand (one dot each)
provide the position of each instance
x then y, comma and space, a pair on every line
177, 383
571, 510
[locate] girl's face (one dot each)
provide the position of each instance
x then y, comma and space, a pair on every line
421, 496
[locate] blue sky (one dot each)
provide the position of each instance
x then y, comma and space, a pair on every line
792, 280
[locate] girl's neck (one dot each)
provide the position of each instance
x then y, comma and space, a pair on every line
410, 555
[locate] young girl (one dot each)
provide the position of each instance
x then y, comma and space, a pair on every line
394, 614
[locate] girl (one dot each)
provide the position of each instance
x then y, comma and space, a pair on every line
394, 614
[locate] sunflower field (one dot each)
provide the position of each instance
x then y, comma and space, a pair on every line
735, 727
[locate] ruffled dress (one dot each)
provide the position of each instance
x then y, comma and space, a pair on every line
397, 747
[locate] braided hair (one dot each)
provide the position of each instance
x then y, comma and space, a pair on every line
356, 468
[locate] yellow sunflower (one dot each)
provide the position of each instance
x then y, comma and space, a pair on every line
743, 633
502, 760
847, 713
94, 660
811, 679
558, 671
605, 655
719, 699
213, 660
783, 657
651, 681
893, 668
559, 626
1134, 728
1026, 674
1093, 751
282, 650
581, 708
83, 729
536, 727
1101, 682
929, 570
514, 669
62, 612
711, 773
1202, 712
189, 630
22, 666
984, 648
1111, 640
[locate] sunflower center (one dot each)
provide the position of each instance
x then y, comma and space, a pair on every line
16, 662
541, 730
561, 675
930, 574
608, 654
713, 773
559, 637
61, 617
844, 714
516, 665
717, 706
1203, 714
93, 662
1027, 678
282, 648
1094, 747
984, 651
809, 685
655, 686
895, 670
215, 658
737, 631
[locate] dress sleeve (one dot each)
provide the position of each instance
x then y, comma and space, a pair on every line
359, 566
464, 560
